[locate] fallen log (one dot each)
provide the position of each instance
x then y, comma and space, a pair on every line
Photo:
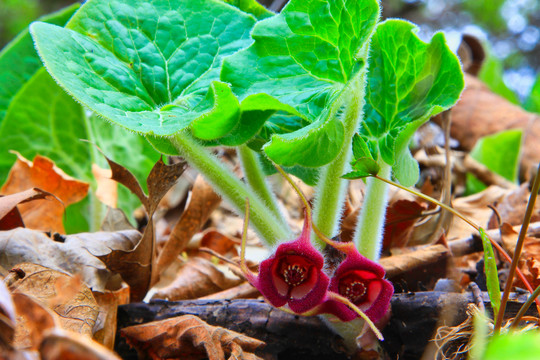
287, 336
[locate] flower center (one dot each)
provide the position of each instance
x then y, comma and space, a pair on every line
294, 270
353, 288
294, 274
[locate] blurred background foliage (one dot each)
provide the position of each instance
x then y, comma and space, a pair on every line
510, 30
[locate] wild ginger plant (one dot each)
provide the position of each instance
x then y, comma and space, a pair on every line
293, 87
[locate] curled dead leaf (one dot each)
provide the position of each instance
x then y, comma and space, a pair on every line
399, 222
43, 173
138, 265
10, 217
188, 337
107, 189
196, 278
108, 301
202, 202
61, 344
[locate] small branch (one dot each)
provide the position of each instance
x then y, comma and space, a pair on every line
517, 250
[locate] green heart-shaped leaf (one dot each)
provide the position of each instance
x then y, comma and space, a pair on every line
151, 67
300, 62
408, 82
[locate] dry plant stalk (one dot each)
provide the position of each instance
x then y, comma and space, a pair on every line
454, 342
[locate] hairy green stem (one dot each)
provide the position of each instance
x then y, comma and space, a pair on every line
370, 225
268, 227
331, 188
256, 180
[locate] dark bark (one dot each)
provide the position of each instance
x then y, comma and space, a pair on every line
414, 319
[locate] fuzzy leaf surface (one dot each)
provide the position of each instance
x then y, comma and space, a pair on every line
408, 82
151, 67
300, 62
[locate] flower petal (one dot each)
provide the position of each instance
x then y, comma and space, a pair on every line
313, 298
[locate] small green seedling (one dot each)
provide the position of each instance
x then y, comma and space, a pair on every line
292, 87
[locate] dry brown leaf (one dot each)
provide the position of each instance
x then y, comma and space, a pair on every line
42, 173
202, 203
427, 256
243, 291
219, 243
107, 189
60, 344
480, 112
66, 296
10, 217
108, 301
188, 337
138, 264
399, 222
533, 265
197, 277
33, 319
115, 220
7, 318
512, 206
530, 254
474, 207
76, 254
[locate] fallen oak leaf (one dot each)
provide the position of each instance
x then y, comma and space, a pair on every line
196, 278
189, 337
137, 266
67, 297
43, 174
203, 202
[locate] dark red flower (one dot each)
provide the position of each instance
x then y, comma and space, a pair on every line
360, 281
293, 275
